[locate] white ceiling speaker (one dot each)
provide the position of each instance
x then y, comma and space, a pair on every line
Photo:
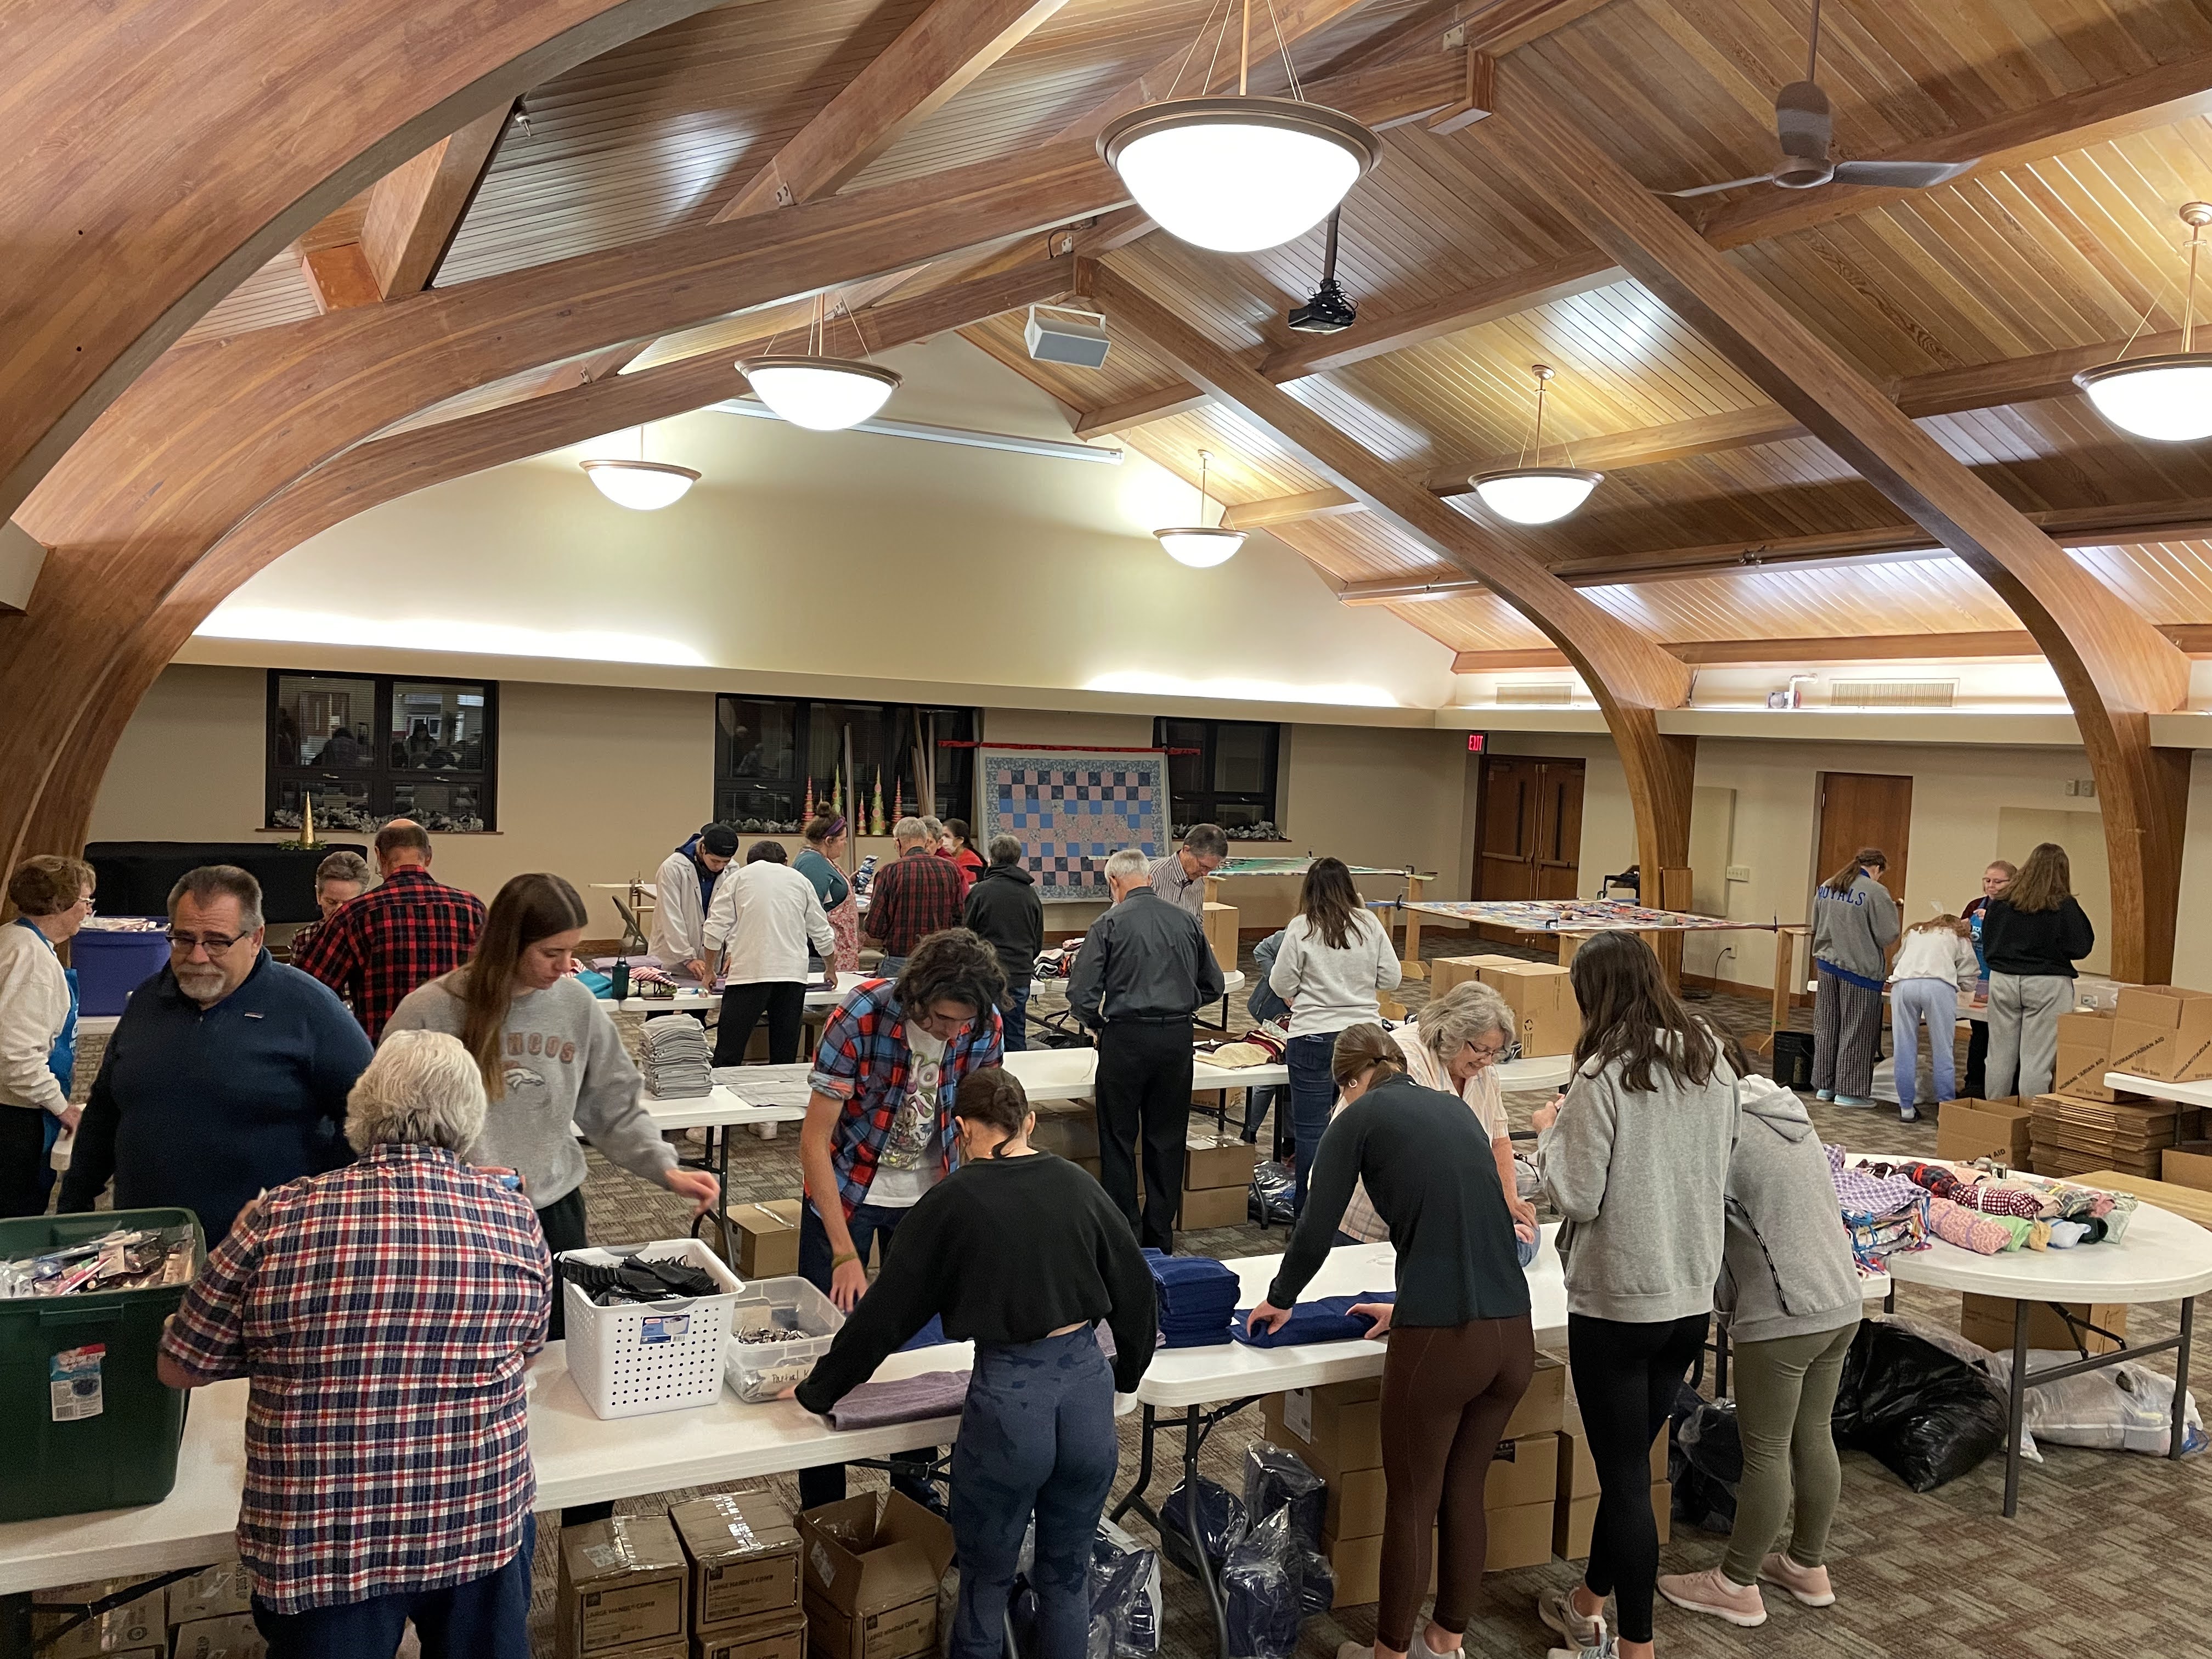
1066, 334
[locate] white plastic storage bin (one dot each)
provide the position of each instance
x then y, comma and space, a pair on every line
804, 1321
634, 1359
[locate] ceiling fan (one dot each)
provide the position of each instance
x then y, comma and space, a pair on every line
1803, 125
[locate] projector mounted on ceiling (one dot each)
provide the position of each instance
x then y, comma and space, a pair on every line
1063, 334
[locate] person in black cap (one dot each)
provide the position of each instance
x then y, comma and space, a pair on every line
686, 887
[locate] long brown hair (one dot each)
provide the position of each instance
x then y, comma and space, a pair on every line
2044, 882
1629, 1015
1943, 923
528, 908
1865, 858
1366, 1047
1328, 902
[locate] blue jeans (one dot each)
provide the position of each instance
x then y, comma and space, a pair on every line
1037, 1436
868, 1222
1015, 1016
1313, 1091
888, 967
1935, 1002
486, 1618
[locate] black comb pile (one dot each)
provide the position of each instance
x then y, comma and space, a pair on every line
635, 1281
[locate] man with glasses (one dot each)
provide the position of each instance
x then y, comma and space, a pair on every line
227, 1074
1180, 878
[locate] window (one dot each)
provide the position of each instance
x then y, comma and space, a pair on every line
1226, 776
767, 750
366, 748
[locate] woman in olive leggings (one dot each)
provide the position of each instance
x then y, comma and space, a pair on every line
1461, 1347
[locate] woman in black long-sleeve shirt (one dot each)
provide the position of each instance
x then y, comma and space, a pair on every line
1461, 1347
2033, 935
1021, 1253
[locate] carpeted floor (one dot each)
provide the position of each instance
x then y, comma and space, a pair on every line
2108, 1556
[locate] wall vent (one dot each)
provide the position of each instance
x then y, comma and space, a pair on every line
1893, 694
1525, 696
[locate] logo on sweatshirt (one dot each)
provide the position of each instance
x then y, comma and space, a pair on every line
521, 1081
536, 1042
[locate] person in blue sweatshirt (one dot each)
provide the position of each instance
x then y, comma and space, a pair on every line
227, 1074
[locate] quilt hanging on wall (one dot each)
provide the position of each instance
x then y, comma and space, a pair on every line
1073, 809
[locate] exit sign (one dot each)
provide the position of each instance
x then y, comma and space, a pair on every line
1475, 741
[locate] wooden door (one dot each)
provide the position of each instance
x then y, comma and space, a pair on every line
1531, 832
1862, 809
1559, 849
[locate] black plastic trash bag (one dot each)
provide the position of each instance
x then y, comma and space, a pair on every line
1705, 1462
1275, 1479
1925, 1415
1273, 1201
1126, 1606
1220, 1522
1263, 1587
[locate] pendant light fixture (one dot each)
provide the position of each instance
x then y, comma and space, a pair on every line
642, 485
1201, 544
2169, 397
1535, 495
1237, 174
823, 394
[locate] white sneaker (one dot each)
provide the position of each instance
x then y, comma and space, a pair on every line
1605, 1648
1582, 1632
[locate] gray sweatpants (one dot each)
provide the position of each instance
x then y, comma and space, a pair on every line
2024, 1010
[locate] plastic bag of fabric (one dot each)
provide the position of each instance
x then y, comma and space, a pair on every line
1221, 1523
1263, 1585
1272, 1200
1317, 1583
1274, 1479
1127, 1606
2123, 1407
1924, 1415
1705, 1462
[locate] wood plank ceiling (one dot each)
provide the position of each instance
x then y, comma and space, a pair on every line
2066, 244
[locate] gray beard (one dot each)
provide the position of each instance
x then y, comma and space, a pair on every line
203, 986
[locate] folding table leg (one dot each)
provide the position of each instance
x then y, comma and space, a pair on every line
1134, 1498
2015, 1406
16, 1626
2181, 1378
1193, 1523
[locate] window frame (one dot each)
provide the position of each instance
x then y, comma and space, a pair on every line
382, 777
1269, 801
956, 766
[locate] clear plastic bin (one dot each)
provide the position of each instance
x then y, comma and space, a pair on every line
806, 1321
639, 1358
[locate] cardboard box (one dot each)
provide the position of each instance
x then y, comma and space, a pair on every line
1219, 921
2163, 1031
1543, 1407
871, 1567
2181, 1169
1518, 1536
1574, 1519
623, 1585
1987, 1320
1355, 1505
767, 1238
1217, 1161
1547, 1016
1577, 1475
1090, 1166
235, 1636
142, 1622
1447, 971
1067, 1131
1968, 1129
744, 1551
1214, 1206
1334, 1436
211, 1593
779, 1636
2085, 1055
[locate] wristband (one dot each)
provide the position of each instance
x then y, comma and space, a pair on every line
842, 1258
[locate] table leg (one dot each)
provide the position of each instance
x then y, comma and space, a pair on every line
16, 1626
1194, 1522
2181, 1379
722, 1196
2015, 1406
1410, 965
1134, 1498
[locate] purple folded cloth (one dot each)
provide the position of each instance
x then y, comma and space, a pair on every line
906, 1399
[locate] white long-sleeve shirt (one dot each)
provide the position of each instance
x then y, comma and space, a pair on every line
765, 915
1330, 990
679, 921
1935, 953
34, 1004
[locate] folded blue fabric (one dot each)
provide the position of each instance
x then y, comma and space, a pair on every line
1197, 1295
1324, 1319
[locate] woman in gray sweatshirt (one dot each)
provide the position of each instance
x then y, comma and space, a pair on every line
550, 1055
1635, 1157
1854, 922
1790, 1299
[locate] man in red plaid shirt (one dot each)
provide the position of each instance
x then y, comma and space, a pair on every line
383, 1315
374, 950
915, 895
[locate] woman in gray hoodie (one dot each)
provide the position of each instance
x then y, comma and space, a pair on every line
1854, 922
1788, 1297
1636, 1159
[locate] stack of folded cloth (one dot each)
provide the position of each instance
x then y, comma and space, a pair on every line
1325, 1319
1198, 1298
675, 1061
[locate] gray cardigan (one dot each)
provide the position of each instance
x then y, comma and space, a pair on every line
1788, 1269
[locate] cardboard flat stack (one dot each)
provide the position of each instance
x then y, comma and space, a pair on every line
2072, 1137
2163, 1031
1999, 1130
872, 1565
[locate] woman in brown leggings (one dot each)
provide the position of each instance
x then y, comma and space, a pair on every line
1461, 1349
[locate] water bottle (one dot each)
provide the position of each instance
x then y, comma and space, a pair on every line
621, 977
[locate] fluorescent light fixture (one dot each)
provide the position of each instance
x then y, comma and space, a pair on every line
1012, 442
642, 486
1237, 174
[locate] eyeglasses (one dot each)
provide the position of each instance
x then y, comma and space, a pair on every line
214, 943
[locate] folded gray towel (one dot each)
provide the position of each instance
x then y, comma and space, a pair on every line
906, 1399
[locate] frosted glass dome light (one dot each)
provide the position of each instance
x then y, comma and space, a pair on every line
1535, 495
1200, 547
2168, 397
642, 486
1237, 174
823, 394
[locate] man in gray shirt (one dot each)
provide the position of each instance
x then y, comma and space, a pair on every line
1180, 878
1145, 969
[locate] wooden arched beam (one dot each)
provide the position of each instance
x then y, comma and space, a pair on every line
214, 430
159, 151
1631, 678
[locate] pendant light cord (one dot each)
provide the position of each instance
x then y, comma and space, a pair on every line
1204, 23
1290, 70
2188, 306
1204, 459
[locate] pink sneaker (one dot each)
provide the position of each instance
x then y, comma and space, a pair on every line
1808, 1584
1714, 1592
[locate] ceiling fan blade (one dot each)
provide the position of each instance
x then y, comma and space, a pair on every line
1803, 123
1901, 175
1715, 190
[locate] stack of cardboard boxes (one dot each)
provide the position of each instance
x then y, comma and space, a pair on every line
1546, 1018
1337, 1429
872, 1563
207, 1616
715, 1578
1217, 1174
2083, 1124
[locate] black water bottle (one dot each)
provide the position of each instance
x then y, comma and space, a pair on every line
621, 977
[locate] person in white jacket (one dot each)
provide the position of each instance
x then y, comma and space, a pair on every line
689, 877
38, 1016
763, 918
1923, 989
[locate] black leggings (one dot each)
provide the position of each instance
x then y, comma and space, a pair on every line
1626, 1377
